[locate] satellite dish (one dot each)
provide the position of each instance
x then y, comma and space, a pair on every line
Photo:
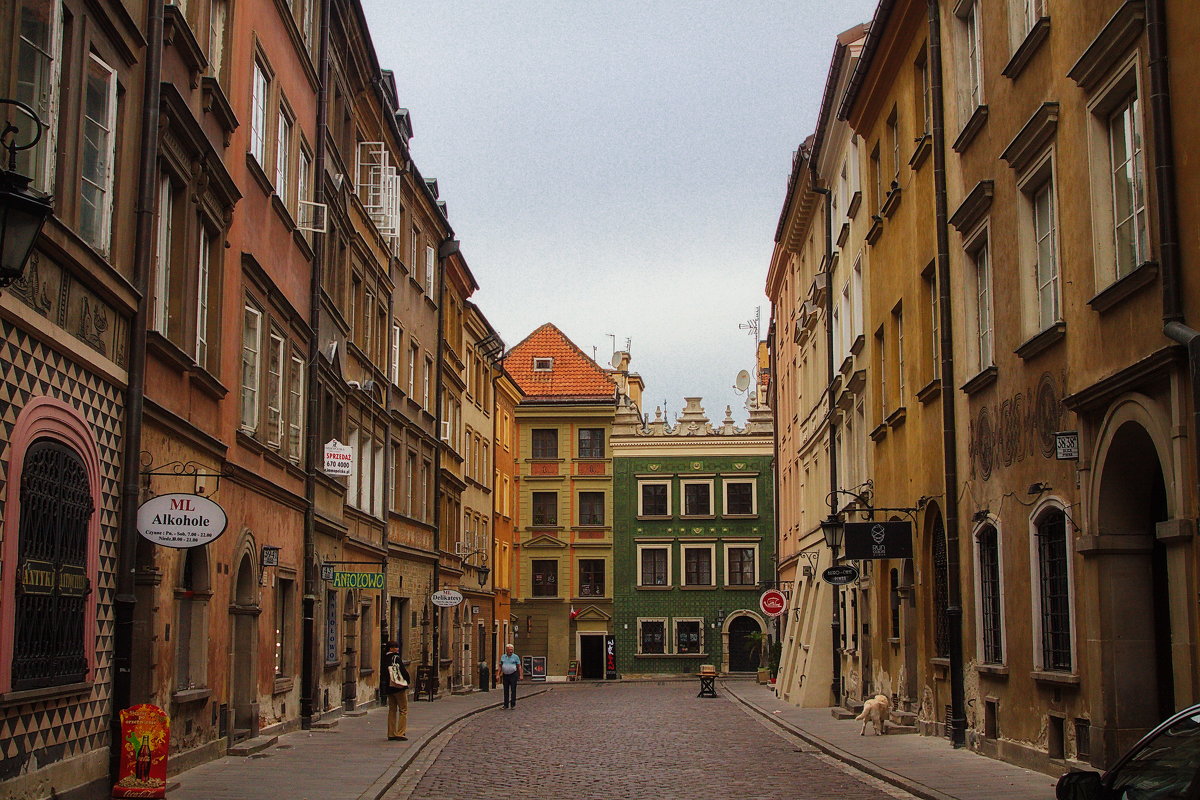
616, 361
742, 381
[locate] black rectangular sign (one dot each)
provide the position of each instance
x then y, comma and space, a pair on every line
866, 540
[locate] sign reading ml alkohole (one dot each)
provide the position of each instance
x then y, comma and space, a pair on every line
181, 520
773, 602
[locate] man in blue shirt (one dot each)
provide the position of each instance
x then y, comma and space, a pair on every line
510, 672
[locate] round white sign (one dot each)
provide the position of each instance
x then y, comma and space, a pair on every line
181, 520
446, 598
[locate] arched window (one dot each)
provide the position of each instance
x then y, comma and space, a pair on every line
191, 628
991, 620
1054, 598
49, 647
941, 590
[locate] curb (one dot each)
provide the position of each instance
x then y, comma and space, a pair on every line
860, 764
392, 774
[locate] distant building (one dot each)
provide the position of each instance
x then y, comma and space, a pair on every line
694, 541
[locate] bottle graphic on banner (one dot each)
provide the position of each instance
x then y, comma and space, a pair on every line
142, 765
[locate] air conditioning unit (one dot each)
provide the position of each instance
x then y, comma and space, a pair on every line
446, 432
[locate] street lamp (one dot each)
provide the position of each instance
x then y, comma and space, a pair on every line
482, 569
831, 529
23, 211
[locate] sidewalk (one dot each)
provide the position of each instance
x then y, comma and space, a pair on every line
352, 760
921, 765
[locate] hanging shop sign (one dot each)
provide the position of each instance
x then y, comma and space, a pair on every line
145, 742
181, 520
446, 598
867, 540
772, 602
339, 459
840, 575
357, 580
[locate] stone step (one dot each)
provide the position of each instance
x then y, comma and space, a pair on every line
249, 747
842, 713
904, 717
354, 713
324, 724
892, 728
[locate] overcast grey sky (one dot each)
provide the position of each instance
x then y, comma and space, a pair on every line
618, 167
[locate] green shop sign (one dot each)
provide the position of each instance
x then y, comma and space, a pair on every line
358, 580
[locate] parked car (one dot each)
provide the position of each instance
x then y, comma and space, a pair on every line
1163, 765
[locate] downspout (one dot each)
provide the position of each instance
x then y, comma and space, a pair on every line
312, 451
835, 622
774, 392
445, 250
1162, 125
958, 719
125, 599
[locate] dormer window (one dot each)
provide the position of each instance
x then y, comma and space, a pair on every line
543, 364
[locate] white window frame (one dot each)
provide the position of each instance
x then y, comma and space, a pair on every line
260, 94
898, 319
543, 364
394, 364
641, 548
641, 511
352, 480
726, 483
414, 355
973, 54
1039, 278
276, 359
426, 371
994, 524
100, 128
675, 634
667, 643
430, 270
296, 409
979, 243
757, 566
711, 548
162, 249
683, 484
283, 156
1035, 583
39, 163
251, 367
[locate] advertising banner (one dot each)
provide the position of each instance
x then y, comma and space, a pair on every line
869, 540
145, 741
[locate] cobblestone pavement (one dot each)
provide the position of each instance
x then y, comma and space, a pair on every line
627, 742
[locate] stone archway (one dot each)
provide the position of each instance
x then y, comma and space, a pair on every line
244, 613
1129, 552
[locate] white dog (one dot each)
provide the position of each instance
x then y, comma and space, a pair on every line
875, 711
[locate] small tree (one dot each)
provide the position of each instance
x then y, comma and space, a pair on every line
757, 642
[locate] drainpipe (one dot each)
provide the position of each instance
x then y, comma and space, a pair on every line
312, 450
1162, 124
835, 622
958, 717
125, 599
447, 248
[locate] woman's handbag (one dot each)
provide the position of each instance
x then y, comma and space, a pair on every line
395, 678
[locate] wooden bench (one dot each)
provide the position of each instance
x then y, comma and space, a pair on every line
708, 680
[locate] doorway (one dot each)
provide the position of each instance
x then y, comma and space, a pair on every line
245, 650
743, 649
591, 656
350, 653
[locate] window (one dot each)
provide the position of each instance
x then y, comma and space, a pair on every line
545, 508
251, 362
591, 508
651, 639
162, 257
260, 92
218, 19
877, 180
898, 326
275, 390
99, 150
410, 473
697, 498
205, 314
984, 346
881, 369
974, 58
654, 566
893, 133
697, 566
543, 364
740, 497
284, 591
426, 372
545, 442
295, 446
687, 636
1130, 234
37, 85
926, 98
191, 636
741, 565
935, 320
1026, 14
1054, 591
991, 617
654, 499
591, 443
545, 578
430, 269
1045, 258
283, 156
414, 355
591, 577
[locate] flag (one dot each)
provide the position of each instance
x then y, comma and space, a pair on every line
574, 613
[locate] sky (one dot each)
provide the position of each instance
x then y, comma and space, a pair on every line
617, 168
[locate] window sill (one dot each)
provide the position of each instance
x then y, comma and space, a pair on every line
892, 202
855, 202
897, 417
699, 587
846, 365
924, 148
654, 517
856, 347
739, 516
164, 348
655, 588
879, 432
592, 598
876, 229
1042, 341
894, 641
207, 382
929, 392
670, 655
992, 670
974, 125
985, 378
281, 210
1055, 678
843, 234
697, 516
553, 598
1123, 288
46, 693
190, 696
259, 175
1027, 49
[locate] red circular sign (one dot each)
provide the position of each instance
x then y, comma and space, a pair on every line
773, 603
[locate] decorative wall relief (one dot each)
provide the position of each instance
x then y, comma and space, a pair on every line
1019, 426
32, 287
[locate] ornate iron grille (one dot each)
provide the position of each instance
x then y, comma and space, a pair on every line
1056, 608
56, 505
989, 593
941, 591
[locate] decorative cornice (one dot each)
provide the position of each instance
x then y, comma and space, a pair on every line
1113, 40
974, 207
1033, 138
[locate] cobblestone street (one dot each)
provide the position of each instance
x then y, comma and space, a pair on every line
627, 741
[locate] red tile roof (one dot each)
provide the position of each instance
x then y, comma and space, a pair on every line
573, 374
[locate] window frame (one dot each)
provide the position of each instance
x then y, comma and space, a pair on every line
250, 391
991, 632
641, 507
1038, 179
260, 100
711, 549
40, 162
752, 546
584, 584
666, 642
1041, 636
675, 643
591, 452
641, 574
103, 183
595, 495
726, 483
686, 482
534, 511
533, 577
538, 450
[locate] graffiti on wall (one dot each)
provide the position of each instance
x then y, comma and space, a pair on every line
1018, 427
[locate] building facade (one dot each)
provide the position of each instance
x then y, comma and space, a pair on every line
693, 541
506, 395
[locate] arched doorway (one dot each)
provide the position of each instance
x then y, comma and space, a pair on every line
743, 650
350, 653
1135, 622
245, 610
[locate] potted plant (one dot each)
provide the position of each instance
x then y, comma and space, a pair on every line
757, 642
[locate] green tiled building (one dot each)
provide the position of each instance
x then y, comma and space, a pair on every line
693, 540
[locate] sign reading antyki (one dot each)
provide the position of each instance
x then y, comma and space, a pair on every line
868, 540
42, 577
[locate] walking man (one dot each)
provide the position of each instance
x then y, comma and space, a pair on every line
510, 672
397, 696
